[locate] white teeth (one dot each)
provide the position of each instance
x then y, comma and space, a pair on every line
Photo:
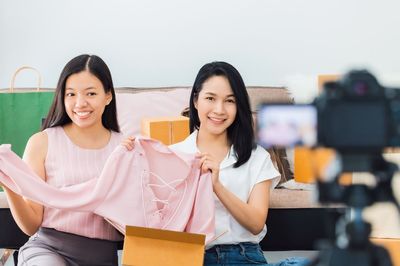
82, 113
216, 119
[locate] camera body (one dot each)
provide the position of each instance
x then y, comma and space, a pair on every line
358, 115
358, 118
355, 115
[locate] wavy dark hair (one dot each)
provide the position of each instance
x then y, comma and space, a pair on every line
58, 116
240, 133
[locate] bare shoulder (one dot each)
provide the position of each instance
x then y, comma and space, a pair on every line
37, 146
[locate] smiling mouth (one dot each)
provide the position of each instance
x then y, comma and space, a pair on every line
217, 120
82, 114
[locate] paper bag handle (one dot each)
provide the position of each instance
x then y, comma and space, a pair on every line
24, 68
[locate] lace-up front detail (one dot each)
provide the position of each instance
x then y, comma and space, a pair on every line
161, 198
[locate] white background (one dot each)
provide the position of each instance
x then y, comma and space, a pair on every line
165, 42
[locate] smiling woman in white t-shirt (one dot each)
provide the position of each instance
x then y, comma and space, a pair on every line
242, 172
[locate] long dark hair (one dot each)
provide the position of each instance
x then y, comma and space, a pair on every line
58, 116
240, 133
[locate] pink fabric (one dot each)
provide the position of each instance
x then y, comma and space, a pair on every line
151, 186
67, 164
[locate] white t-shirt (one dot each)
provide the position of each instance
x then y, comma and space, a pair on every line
240, 181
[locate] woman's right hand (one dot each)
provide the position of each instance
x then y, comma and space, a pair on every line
208, 163
129, 143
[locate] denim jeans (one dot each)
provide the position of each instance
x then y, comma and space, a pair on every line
245, 254
240, 254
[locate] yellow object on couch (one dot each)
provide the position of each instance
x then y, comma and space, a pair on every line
168, 130
392, 245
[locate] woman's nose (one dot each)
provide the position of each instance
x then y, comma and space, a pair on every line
80, 101
219, 107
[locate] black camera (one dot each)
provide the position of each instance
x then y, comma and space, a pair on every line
353, 115
357, 114
358, 118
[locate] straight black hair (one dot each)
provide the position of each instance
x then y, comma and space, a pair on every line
241, 132
58, 116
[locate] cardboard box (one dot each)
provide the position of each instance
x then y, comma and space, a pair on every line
392, 245
310, 163
326, 78
148, 246
168, 130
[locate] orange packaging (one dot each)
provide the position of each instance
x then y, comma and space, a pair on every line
168, 130
148, 247
311, 163
392, 245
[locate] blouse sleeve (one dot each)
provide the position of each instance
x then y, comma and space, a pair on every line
267, 170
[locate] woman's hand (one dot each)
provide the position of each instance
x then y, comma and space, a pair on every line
129, 143
208, 163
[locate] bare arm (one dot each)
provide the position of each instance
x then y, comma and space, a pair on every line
252, 214
27, 214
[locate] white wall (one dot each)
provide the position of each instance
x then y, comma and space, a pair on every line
165, 42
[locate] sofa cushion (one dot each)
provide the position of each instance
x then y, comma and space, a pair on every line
133, 104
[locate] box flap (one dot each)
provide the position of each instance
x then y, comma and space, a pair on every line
165, 235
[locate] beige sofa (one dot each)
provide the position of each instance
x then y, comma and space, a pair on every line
136, 103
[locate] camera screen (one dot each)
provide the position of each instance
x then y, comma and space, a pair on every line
284, 125
355, 125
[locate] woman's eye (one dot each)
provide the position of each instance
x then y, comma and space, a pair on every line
70, 94
230, 101
91, 93
210, 98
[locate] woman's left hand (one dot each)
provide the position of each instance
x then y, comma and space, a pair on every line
129, 143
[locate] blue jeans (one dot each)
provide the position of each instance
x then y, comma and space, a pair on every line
244, 254
240, 254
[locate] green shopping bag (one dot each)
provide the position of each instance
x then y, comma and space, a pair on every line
22, 112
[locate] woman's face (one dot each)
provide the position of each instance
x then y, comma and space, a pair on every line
216, 105
85, 99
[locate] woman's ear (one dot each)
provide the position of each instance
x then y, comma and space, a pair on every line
109, 97
195, 103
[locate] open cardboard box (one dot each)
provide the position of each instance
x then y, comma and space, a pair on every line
148, 246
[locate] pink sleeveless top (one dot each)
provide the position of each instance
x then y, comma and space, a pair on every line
67, 164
